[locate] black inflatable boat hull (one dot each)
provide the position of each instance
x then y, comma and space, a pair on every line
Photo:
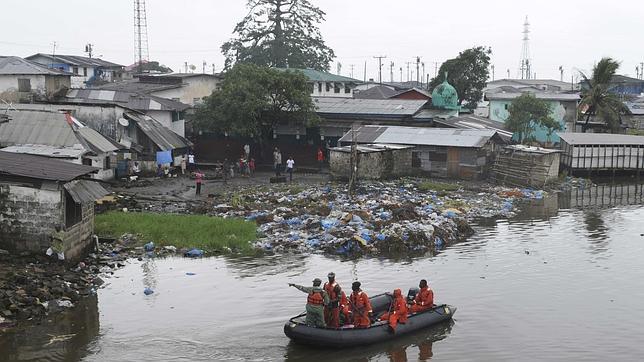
300, 333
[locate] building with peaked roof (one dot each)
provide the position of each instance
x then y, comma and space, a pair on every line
544, 85
57, 135
600, 152
413, 93
441, 152
187, 88
376, 92
38, 194
325, 84
25, 81
86, 71
373, 161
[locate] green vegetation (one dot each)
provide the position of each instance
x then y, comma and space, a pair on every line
598, 101
437, 186
183, 231
528, 112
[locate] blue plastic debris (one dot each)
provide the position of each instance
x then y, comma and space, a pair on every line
194, 253
313, 243
294, 237
328, 223
450, 214
366, 235
385, 215
293, 221
381, 237
253, 216
189, 273
148, 291
149, 246
357, 219
438, 242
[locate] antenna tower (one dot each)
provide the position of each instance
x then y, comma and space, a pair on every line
141, 53
526, 64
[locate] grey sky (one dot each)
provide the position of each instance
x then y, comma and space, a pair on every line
574, 34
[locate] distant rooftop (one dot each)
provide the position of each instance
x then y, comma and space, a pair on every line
18, 66
319, 76
382, 107
421, 136
131, 100
43, 168
600, 139
540, 95
377, 92
75, 60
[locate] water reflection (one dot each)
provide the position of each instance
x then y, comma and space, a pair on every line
66, 336
603, 195
417, 346
250, 267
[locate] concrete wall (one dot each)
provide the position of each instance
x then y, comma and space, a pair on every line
320, 90
564, 112
9, 86
29, 215
371, 165
165, 118
193, 91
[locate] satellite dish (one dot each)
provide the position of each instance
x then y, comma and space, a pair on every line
124, 122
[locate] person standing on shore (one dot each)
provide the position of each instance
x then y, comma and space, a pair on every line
320, 158
191, 161
198, 180
183, 164
289, 167
277, 161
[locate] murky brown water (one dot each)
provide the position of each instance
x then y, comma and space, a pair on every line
555, 284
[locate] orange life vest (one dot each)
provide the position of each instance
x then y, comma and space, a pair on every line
315, 298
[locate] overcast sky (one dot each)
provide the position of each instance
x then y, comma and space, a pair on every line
571, 33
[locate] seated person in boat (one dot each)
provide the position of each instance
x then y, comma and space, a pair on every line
315, 302
424, 299
343, 311
332, 310
360, 307
397, 311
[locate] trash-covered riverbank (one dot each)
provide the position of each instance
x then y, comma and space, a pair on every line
381, 218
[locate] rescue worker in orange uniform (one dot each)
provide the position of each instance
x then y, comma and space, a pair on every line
315, 303
360, 307
344, 306
397, 312
424, 300
332, 310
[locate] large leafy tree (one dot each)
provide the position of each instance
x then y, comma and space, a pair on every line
280, 33
468, 73
598, 102
254, 99
527, 112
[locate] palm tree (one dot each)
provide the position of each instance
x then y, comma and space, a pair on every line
598, 101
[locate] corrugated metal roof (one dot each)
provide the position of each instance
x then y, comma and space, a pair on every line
37, 127
39, 167
85, 191
163, 137
76, 60
601, 139
377, 92
97, 141
19, 66
531, 149
48, 151
136, 86
370, 148
386, 107
136, 101
475, 122
423, 136
319, 76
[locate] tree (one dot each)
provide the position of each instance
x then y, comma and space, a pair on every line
154, 66
252, 101
280, 33
468, 73
527, 112
598, 102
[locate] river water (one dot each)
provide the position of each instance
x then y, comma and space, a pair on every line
558, 282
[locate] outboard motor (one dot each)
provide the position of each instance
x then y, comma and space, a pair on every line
412, 294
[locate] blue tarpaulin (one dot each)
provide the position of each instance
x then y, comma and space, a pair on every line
164, 157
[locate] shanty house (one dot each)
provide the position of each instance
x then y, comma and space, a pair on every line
526, 166
25, 81
325, 84
597, 152
58, 135
86, 71
373, 161
441, 152
37, 194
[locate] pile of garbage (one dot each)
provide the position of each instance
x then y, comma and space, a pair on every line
381, 218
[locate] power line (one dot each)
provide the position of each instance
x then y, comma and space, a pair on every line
380, 58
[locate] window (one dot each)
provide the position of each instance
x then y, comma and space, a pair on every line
87, 161
505, 106
177, 116
328, 86
73, 211
320, 87
85, 71
347, 89
108, 163
336, 87
312, 87
76, 70
24, 85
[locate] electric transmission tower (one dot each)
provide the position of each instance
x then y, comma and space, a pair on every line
526, 64
141, 53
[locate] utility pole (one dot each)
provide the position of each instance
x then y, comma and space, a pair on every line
213, 68
185, 67
561, 72
203, 65
417, 70
492, 66
351, 66
408, 63
401, 78
89, 48
365, 72
508, 73
641, 70
391, 72
435, 69
423, 77
380, 58
53, 53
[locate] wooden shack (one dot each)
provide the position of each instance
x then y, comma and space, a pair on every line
374, 161
596, 152
526, 166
